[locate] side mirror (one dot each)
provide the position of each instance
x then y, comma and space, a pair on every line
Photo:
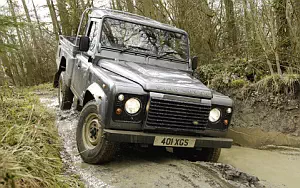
84, 43
194, 63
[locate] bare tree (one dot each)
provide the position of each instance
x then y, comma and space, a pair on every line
55, 25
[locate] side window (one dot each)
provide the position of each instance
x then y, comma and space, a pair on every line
93, 35
107, 37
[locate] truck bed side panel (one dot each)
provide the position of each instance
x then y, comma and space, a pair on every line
67, 50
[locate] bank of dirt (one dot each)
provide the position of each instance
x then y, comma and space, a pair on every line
263, 119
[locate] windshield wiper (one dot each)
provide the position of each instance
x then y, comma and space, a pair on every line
130, 47
167, 53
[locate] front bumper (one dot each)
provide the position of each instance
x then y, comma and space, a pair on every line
148, 138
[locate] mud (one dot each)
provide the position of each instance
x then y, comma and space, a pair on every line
140, 167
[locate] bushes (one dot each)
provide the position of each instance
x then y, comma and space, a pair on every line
240, 74
29, 143
239, 83
223, 76
287, 84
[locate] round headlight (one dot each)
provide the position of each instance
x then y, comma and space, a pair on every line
132, 106
214, 115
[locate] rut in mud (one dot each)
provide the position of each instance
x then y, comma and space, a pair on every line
140, 167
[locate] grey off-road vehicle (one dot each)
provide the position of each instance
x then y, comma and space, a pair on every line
131, 77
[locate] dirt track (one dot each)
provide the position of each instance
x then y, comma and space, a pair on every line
138, 167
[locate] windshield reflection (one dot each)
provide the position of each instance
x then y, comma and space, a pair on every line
127, 36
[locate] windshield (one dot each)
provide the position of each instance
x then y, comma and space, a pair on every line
127, 36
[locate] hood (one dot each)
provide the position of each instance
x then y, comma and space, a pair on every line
159, 79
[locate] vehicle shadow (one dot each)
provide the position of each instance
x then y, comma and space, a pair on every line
139, 155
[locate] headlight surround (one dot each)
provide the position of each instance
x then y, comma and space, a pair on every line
132, 106
214, 115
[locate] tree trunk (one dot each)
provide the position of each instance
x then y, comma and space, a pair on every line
248, 28
54, 18
283, 36
256, 24
64, 17
37, 18
296, 8
75, 15
28, 65
7, 66
32, 32
230, 24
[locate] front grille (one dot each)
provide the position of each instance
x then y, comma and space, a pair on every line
167, 113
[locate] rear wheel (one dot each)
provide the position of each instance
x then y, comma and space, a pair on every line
65, 95
204, 154
91, 143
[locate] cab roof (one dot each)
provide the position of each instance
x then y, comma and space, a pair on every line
121, 15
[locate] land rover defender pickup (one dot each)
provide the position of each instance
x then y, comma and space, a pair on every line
132, 79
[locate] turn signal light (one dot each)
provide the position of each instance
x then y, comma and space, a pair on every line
226, 122
118, 111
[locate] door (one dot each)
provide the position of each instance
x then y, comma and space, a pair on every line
82, 64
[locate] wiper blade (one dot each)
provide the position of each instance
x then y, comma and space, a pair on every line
167, 53
130, 47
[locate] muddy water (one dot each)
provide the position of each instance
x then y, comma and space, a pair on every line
139, 167
279, 165
256, 137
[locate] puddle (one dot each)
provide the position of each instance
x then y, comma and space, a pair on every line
279, 165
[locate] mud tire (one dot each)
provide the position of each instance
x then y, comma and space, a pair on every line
104, 150
65, 95
205, 154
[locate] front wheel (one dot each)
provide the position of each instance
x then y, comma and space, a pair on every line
91, 143
204, 154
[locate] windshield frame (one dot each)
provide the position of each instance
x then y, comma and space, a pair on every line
133, 21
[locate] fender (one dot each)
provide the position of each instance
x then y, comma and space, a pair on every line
100, 98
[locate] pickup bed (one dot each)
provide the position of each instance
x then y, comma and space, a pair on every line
132, 79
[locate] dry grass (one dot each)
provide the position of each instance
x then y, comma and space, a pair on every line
279, 84
29, 143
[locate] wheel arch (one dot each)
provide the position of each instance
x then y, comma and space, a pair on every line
95, 92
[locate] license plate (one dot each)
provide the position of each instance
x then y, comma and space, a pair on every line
174, 141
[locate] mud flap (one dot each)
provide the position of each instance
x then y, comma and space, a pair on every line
56, 79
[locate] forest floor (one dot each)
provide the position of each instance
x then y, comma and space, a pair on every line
138, 167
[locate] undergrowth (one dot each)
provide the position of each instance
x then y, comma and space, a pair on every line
287, 83
241, 76
29, 143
